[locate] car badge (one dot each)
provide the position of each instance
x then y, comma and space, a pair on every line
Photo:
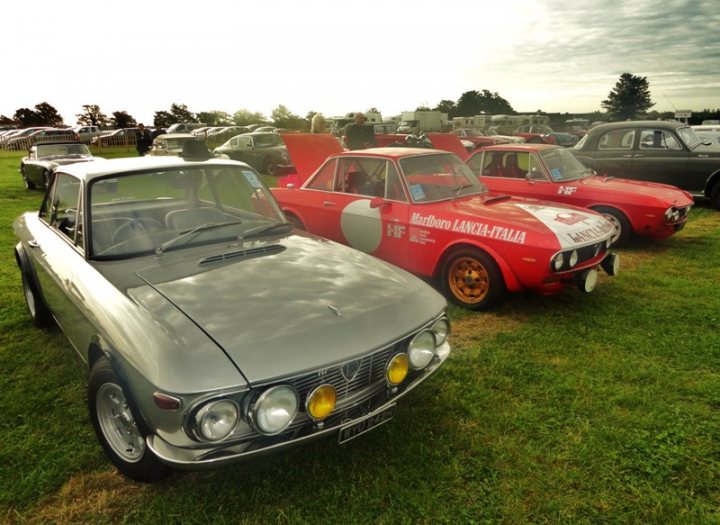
350, 370
335, 310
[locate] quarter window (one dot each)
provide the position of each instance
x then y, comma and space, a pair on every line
617, 139
65, 209
658, 139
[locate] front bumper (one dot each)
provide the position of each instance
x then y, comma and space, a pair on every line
209, 457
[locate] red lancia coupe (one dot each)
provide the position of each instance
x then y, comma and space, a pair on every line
425, 211
553, 173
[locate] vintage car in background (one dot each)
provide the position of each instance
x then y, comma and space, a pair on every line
171, 143
425, 211
212, 331
41, 136
535, 134
553, 173
263, 151
657, 151
117, 137
708, 133
37, 168
479, 138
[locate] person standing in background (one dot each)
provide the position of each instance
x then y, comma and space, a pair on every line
143, 140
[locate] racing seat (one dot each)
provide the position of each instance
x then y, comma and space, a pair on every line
512, 170
360, 183
189, 218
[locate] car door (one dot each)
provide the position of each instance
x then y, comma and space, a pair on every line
614, 152
57, 253
660, 156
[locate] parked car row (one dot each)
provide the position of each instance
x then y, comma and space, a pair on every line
23, 139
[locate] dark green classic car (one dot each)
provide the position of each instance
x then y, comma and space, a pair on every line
263, 151
660, 151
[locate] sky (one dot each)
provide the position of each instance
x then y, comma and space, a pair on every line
335, 57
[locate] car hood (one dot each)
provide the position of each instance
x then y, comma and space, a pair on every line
307, 152
662, 192
527, 221
301, 305
63, 162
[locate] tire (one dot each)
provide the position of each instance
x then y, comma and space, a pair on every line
715, 195
623, 230
38, 310
117, 428
471, 278
270, 167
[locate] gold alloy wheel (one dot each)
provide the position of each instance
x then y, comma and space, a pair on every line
468, 280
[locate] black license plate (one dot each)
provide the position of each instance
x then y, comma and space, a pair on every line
360, 426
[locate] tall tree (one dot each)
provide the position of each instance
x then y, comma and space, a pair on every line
121, 119
282, 117
630, 96
181, 113
447, 106
163, 119
48, 115
243, 117
474, 103
215, 118
26, 117
92, 116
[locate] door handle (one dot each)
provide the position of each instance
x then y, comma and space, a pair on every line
328, 203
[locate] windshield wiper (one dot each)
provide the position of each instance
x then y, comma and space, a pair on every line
458, 189
191, 233
265, 228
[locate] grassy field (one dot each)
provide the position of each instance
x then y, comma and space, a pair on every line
576, 409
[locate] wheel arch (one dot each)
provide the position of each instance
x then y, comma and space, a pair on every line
712, 182
511, 282
629, 216
289, 211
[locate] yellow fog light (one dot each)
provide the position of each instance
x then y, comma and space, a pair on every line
397, 369
321, 402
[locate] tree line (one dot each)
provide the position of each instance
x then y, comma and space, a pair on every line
628, 99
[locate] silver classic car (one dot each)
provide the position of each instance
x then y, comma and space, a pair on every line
42, 159
212, 331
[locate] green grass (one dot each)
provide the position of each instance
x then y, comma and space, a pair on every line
577, 409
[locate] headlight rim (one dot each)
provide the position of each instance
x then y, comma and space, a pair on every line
203, 410
254, 405
389, 364
411, 350
308, 399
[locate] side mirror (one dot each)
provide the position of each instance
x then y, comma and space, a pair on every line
378, 202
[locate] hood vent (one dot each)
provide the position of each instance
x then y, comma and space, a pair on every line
252, 252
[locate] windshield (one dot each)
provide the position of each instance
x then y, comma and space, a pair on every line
563, 165
137, 214
439, 177
688, 136
53, 150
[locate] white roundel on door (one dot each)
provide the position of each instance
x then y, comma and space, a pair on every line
361, 225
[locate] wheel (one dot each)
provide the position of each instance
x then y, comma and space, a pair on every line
472, 279
715, 195
28, 183
116, 427
270, 167
619, 221
39, 312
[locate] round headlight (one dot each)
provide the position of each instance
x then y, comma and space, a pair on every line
321, 402
558, 261
573, 258
397, 369
274, 409
215, 421
421, 350
441, 329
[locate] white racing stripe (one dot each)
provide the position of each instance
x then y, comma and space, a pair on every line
572, 228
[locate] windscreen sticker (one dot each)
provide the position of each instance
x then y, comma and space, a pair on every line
252, 179
417, 192
555, 174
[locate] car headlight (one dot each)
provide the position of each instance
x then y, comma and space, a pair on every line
397, 368
274, 409
421, 350
321, 402
557, 261
573, 258
216, 420
441, 329
284, 155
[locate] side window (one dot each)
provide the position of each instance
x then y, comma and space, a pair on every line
393, 185
617, 139
323, 180
492, 164
658, 139
65, 207
536, 171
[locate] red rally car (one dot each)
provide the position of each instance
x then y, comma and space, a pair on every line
552, 173
425, 211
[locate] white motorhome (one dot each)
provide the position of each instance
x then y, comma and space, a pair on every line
417, 121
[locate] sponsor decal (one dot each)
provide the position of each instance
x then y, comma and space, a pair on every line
396, 231
566, 190
419, 236
591, 234
571, 227
479, 229
570, 218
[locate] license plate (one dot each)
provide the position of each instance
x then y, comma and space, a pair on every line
360, 426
